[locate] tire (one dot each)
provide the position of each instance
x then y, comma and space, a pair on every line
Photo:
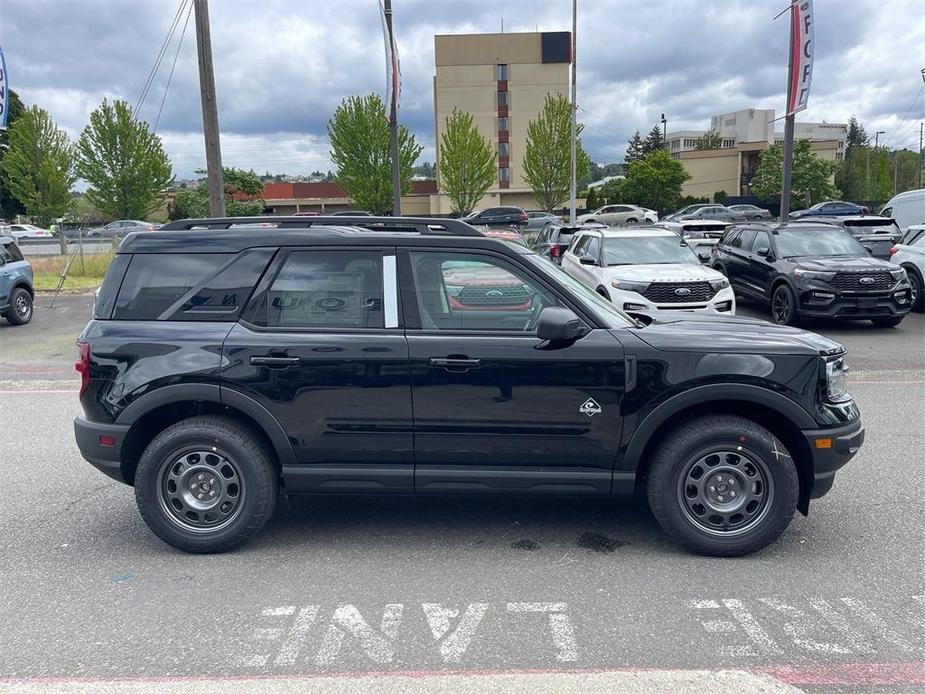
632, 220
177, 469
782, 298
915, 281
890, 322
731, 448
21, 309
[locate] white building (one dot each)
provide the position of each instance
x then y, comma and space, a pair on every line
757, 125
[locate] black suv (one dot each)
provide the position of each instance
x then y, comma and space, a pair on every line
818, 270
223, 368
499, 216
877, 234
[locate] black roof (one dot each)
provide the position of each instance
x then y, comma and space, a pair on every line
234, 234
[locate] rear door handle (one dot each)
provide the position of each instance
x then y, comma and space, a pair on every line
275, 362
455, 364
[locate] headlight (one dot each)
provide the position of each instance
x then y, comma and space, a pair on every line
629, 286
718, 284
836, 380
898, 274
814, 274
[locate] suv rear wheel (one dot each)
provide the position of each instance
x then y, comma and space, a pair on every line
723, 486
206, 484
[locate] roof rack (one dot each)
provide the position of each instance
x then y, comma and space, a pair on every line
430, 226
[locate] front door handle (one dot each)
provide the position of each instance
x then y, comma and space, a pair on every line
455, 363
275, 362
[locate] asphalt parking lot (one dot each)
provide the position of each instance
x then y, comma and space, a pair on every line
529, 595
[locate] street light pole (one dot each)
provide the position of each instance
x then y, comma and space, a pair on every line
210, 129
393, 114
665, 132
573, 186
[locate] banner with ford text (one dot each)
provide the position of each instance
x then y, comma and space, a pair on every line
802, 46
4, 92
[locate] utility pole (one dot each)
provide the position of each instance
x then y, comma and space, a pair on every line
393, 112
788, 147
215, 174
573, 192
921, 156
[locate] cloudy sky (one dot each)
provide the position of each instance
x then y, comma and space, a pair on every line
282, 66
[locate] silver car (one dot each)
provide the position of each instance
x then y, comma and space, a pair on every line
614, 215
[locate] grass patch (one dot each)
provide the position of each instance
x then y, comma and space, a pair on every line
86, 273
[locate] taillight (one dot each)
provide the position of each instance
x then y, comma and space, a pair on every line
82, 365
894, 250
555, 251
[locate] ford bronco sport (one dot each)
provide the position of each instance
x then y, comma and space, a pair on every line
227, 365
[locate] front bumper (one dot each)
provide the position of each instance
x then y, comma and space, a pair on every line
820, 301
722, 303
104, 457
831, 449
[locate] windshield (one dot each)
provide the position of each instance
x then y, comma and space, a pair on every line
818, 242
608, 314
647, 250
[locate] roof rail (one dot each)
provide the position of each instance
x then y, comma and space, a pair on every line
431, 226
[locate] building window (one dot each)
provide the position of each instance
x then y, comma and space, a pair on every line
729, 143
501, 72
504, 174
839, 156
502, 99
503, 123
504, 149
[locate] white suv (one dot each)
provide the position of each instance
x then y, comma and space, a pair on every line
647, 270
910, 254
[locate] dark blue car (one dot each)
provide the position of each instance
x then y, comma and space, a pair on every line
16, 292
832, 207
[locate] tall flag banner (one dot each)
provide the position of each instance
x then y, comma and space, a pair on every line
392, 67
4, 92
802, 46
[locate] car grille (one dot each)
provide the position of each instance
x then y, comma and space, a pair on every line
498, 295
851, 281
666, 292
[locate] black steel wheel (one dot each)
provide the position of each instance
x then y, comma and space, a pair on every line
20, 311
915, 286
784, 306
206, 484
723, 485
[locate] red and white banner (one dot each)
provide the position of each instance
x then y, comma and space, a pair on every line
392, 66
802, 46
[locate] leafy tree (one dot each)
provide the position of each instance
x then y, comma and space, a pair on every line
467, 162
719, 197
810, 179
425, 169
857, 136
655, 181
38, 166
612, 191
654, 141
360, 148
709, 140
123, 161
635, 149
851, 173
242, 196
548, 160
10, 206
904, 164
592, 199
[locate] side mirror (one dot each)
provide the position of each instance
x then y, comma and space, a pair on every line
870, 250
763, 252
587, 260
559, 325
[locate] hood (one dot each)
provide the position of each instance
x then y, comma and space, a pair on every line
665, 272
845, 264
680, 331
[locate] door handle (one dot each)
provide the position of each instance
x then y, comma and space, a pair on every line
454, 363
275, 362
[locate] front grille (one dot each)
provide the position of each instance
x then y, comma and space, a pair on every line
851, 281
666, 292
497, 295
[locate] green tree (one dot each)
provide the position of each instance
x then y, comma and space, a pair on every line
635, 149
123, 161
709, 140
655, 181
592, 199
654, 141
851, 173
548, 160
38, 166
360, 148
425, 169
10, 206
811, 175
904, 164
611, 192
467, 163
243, 190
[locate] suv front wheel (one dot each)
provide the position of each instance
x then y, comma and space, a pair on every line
723, 486
206, 484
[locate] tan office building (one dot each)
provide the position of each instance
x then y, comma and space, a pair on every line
502, 80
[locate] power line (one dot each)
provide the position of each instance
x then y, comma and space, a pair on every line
172, 67
906, 115
160, 57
